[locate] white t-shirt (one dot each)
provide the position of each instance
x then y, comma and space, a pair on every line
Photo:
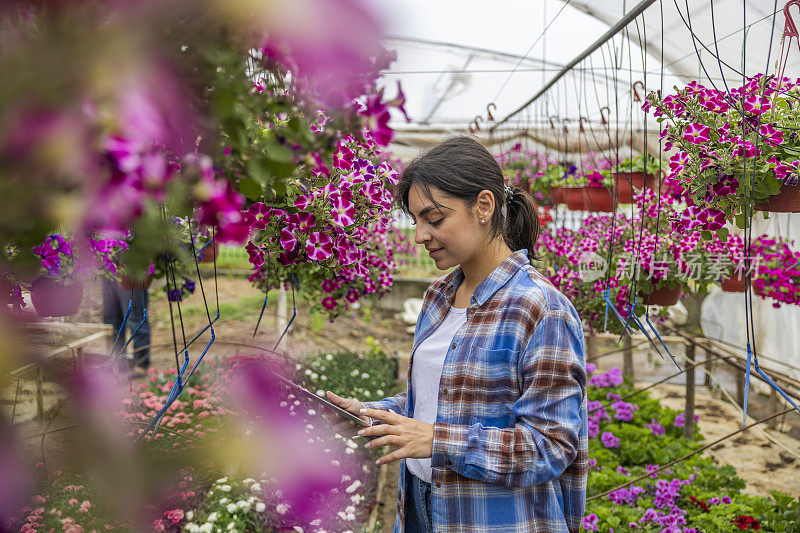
426, 372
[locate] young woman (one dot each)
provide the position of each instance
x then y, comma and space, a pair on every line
491, 432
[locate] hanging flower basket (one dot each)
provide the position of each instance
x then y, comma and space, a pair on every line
557, 195
662, 296
574, 199
55, 297
129, 283
733, 283
209, 253
786, 201
598, 199
626, 181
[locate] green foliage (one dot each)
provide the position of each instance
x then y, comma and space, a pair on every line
368, 377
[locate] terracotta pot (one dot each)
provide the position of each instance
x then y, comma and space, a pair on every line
757, 290
786, 201
733, 283
129, 283
598, 199
209, 253
626, 181
52, 297
573, 197
557, 195
662, 296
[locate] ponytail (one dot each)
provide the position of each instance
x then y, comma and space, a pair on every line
522, 222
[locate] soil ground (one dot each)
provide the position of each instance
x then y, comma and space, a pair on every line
764, 463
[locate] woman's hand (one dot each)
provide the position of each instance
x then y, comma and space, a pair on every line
411, 437
351, 406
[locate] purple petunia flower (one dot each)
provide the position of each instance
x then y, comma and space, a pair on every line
589, 522
609, 440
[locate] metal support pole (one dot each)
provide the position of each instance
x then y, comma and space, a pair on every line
688, 425
616, 28
627, 356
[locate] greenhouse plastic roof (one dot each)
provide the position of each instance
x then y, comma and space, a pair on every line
455, 57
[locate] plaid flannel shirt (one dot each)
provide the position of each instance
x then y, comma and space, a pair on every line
510, 450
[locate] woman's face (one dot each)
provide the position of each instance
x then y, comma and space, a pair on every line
451, 233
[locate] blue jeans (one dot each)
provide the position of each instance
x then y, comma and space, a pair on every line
115, 305
418, 505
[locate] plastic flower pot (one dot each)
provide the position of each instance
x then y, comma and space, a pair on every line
573, 197
733, 283
662, 296
626, 181
557, 195
598, 199
129, 283
209, 253
786, 201
54, 297
757, 290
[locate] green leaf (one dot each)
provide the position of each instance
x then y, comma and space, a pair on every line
250, 188
277, 152
722, 233
706, 235
279, 169
259, 171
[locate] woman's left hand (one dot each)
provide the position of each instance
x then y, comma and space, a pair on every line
411, 437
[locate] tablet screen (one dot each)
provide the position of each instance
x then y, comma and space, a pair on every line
322, 401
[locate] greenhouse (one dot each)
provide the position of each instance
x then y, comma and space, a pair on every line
349, 266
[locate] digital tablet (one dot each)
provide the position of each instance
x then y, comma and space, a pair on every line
325, 403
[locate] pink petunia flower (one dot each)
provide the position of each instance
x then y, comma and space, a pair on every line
319, 246
697, 133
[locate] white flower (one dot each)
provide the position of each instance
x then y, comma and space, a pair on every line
312, 412
189, 515
213, 517
329, 357
297, 402
307, 372
249, 481
231, 508
261, 507
324, 378
290, 396
222, 480
231, 526
349, 451
255, 487
353, 486
379, 392
226, 488
315, 523
364, 376
354, 373
206, 528
298, 366
298, 529
350, 509
282, 508
309, 426
314, 375
244, 506
367, 394
192, 527
345, 478
320, 393
223, 501
283, 404
336, 463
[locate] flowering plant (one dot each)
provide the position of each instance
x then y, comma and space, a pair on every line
639, 163
629, 438
778, 270
656, 245
526, 169
62, 257
331, 233
730, 141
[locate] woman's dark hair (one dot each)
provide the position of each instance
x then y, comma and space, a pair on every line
461, 168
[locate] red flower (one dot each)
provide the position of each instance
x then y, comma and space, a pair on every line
747, 522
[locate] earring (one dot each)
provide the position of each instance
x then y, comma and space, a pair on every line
483, 221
